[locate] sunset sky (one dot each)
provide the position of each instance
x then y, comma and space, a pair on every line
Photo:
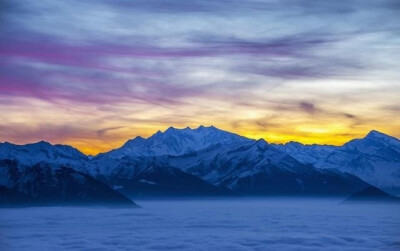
96, 73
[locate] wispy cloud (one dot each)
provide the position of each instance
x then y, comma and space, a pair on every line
263, 68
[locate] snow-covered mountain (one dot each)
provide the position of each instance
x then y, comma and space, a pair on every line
374, 158
306, 154
42, 151
209, 161
132, 175
176, 142
51, 184
139, 167
258, 168
150, 176
44, 174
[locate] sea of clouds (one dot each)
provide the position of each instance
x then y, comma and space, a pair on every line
214, 224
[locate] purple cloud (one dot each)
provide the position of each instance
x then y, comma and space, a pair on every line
146, 57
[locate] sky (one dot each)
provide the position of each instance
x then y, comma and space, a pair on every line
96, 73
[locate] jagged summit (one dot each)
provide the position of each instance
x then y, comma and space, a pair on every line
199, 128
41, 143
376, 135
373, 141
174, 141
262, 143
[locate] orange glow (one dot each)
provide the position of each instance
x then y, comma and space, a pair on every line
313, 136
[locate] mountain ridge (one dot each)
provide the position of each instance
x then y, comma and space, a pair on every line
175, 141
370, 133
207, 161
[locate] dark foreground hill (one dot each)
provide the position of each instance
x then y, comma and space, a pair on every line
372, 194
46, 184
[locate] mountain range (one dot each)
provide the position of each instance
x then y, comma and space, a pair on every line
204, 161
374, 158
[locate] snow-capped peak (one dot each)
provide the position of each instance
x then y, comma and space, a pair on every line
262, 143
174, 141
41, 151
372, 142
376, 135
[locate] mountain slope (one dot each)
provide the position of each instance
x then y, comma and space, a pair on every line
371, 194
176, 142
306, 154
31, 154
50, 184
374, 158
258, 168
148, 176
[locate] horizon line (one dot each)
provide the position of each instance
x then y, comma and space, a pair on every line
194, 128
